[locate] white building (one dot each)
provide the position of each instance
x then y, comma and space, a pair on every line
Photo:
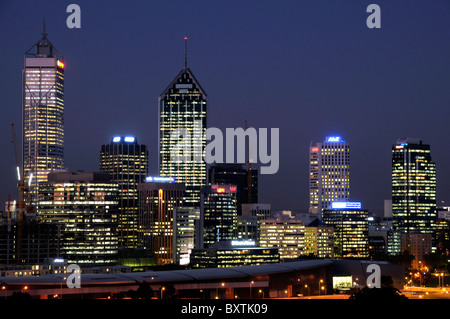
329, 173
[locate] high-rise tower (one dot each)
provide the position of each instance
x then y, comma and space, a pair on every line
126, 161
413, 187
42, 114
182, 124
329, 173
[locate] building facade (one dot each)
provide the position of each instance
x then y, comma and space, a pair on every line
157, 201
186, 231
232, 254
84, 207
351, 229
182, 140
319, 240
419, 245
218, 210
329, 173
249, 221
245, 179
126, 161
42, 115
413, 187
284, 232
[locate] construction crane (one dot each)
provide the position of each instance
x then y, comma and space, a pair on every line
21, 203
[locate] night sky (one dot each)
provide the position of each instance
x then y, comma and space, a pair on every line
310, 68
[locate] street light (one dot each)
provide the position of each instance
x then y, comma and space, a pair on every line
4, 289
320, 286
261, 291
251, 283
162, 289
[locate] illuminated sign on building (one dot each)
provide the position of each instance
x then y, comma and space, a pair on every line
128, 139
160, 179
243, 243
346, 205
335, 139
224, 188
60, 64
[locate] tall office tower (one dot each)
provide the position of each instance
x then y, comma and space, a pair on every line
244, 178
351, 229
83, 205
42, 115
413, 187
182, 140
158, 198
285, 232
126, 161
329, 173
218, 215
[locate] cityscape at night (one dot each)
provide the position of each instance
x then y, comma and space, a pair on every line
252, 152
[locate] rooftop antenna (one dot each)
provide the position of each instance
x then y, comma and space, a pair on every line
185, 52
44, 34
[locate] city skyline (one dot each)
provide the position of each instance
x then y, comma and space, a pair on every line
350, 108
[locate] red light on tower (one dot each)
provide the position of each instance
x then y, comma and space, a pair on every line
60, 64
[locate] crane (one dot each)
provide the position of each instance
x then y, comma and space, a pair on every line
21, 202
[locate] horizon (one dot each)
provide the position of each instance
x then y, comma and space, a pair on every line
310, 69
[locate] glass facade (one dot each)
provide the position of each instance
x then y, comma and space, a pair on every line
329, 174
127, 163
219, 213
83, 206
43, 115
182, 140
413, 187
351, 232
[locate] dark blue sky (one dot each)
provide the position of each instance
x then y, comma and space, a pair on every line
310, 68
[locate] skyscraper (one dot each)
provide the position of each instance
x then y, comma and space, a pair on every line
413, 187
182, 124
42, 114
329, 173
126, 161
